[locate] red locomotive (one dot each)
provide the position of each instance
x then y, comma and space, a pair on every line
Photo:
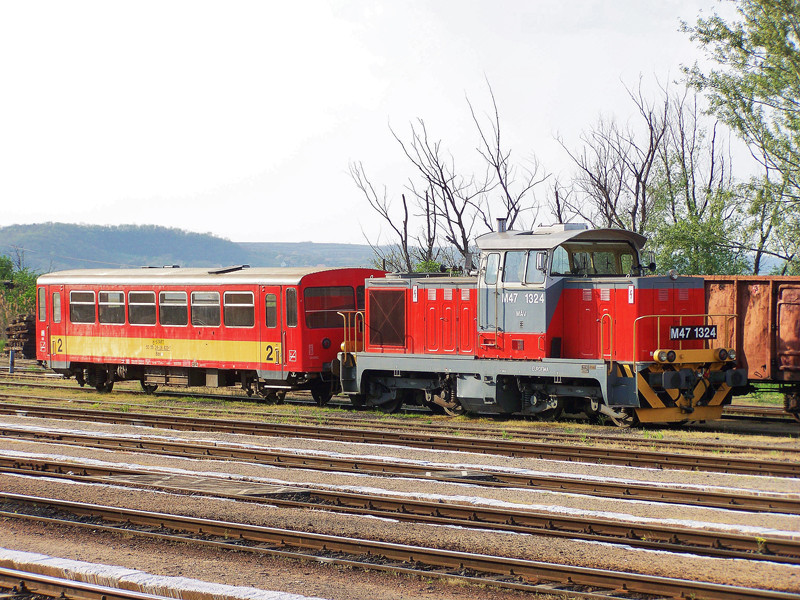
558, 318
268, 330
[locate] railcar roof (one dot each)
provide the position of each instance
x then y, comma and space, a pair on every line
189, 276
545, 238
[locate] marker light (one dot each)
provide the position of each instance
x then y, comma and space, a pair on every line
722, 354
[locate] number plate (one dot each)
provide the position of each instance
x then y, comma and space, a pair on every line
693, 332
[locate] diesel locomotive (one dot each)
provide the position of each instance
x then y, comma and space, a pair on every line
558, 318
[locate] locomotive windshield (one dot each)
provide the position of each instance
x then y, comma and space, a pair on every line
594, 258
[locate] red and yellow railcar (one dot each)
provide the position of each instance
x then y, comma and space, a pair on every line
268, 330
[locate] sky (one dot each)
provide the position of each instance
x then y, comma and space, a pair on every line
242, 118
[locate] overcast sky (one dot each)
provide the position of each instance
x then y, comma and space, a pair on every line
240, 118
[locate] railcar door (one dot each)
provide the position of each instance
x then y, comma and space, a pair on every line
272, 349
56, 328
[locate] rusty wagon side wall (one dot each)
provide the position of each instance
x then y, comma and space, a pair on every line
766, 331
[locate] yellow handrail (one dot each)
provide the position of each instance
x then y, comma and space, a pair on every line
351, 319
727, 316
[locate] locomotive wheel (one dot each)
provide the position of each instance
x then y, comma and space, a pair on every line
321, 392
358, 400
454, 411
148, 388
392, 406
280, 397
551, 414
629, 420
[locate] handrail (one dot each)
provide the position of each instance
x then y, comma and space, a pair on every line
351, 319
727, 316
610, 336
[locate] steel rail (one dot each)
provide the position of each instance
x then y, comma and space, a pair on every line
273, 541
651, 536
568, 453
486, 477
26, 583
517, 432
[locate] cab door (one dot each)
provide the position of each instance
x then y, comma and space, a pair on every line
271, 356
57, 329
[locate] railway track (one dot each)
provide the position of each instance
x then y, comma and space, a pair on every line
480, 569
26, 584
510, 429
486, 477
470, 516
569, 452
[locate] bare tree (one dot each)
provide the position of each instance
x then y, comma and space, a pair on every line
515, 185
615, 166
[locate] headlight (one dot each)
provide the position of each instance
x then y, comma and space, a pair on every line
732, 354
661, 355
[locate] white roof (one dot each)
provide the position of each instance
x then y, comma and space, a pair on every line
545, 238
189, 276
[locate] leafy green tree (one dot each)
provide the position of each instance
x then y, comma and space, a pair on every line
755, 89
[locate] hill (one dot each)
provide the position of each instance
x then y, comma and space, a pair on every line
49, 247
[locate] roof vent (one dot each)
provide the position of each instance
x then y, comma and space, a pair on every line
231, 269
161, 267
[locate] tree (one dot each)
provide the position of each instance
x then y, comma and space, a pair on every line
696, 226
755, 89
614, 168
447, 205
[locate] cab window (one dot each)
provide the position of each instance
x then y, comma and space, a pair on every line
533, 274
42, 303
514, 270
492, 267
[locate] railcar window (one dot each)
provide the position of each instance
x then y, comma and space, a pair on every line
56, 307
42, 303
142, 308
492, 266
239, 309
360, 297
514, 270
291, 307
322, 305
205, 309
532, 273
111, 307
271, 306
173, 308
81, 307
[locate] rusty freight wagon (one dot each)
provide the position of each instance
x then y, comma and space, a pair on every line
766, 330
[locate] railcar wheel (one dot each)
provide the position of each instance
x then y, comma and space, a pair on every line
454, 411
791, 404
280, 397
104, 388
148, 388
321, 392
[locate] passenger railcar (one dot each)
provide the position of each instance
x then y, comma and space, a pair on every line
558, 318
268, 330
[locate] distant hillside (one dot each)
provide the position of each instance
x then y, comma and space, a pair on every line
57, 246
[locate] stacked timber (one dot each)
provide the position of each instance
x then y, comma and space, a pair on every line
21, 334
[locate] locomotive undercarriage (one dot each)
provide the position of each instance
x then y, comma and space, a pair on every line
623, 393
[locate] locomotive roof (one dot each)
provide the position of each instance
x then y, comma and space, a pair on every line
545, 238
190, 276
